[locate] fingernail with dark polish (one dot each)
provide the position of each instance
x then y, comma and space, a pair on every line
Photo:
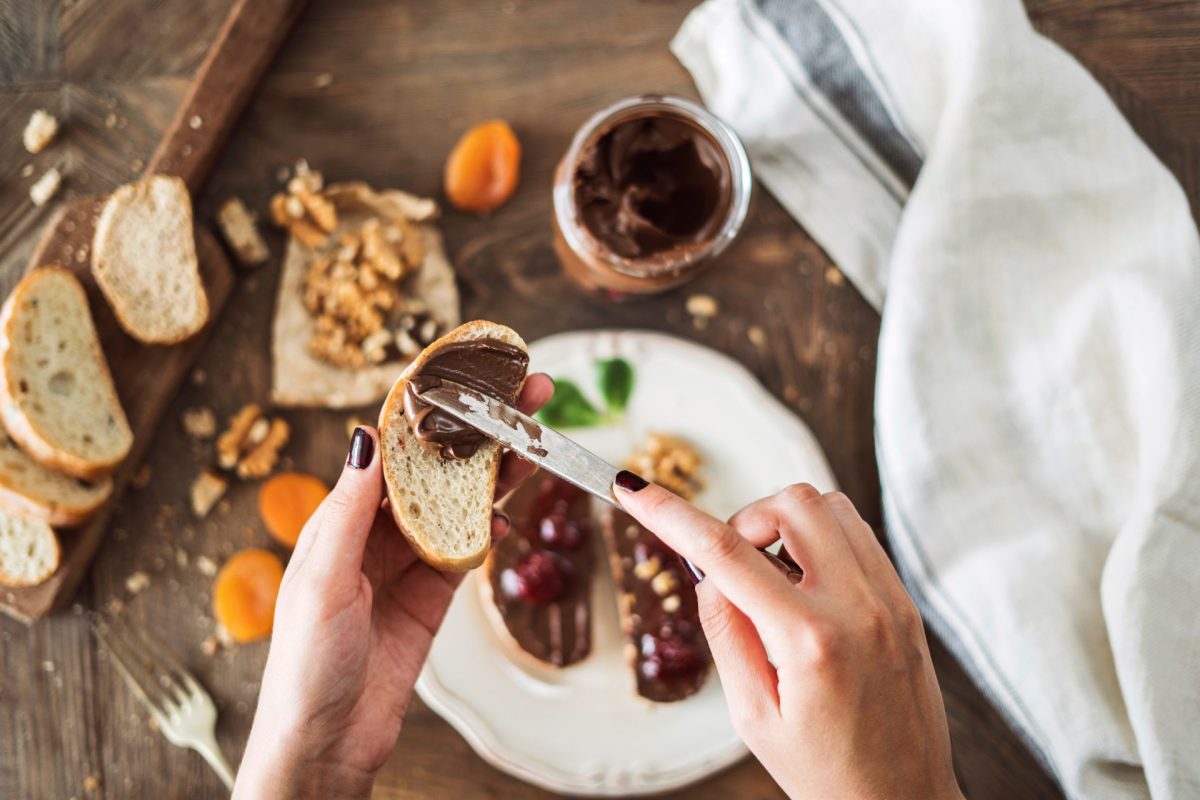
362, 449
694, 573
630, 482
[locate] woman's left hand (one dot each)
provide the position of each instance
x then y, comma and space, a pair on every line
356, 615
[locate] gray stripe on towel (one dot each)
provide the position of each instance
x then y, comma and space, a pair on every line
818, 43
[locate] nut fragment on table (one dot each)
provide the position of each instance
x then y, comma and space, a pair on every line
303, 210
251, 444
670, 462
240, 436
261, 459
208, 487
45, 187
40, 131
240, 231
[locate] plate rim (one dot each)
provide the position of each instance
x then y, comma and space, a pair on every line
478, 733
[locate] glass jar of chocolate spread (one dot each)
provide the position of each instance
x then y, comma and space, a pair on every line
650, 191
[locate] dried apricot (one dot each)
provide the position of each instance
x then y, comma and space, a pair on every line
483, 168
286, 501
244, 593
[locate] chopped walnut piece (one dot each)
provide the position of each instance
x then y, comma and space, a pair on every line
236, 439
240, 232
670, 462
259, 462
207, 489
664, 583
307, 214
40, 131
646, 570
210, 645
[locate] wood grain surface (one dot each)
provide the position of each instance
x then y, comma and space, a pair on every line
406, 79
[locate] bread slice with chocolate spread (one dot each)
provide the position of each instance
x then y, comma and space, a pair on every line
443, 503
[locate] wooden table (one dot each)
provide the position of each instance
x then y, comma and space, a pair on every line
406, 79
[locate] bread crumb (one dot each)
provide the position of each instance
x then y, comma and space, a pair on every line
47, 666
151, 723
110, 120
199, 422
671, 603
91, 783
26, 170
137, 582
323, 81
195, 122
40, 131
240, 232
45, 187
199, 377
834, 276
181, 558
206, 566
207, 489
756, 335
116, 605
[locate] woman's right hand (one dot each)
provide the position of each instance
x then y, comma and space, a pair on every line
847, 703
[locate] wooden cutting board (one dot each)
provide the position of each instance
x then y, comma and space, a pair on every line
147, 377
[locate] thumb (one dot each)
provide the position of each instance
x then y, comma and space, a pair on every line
333, 541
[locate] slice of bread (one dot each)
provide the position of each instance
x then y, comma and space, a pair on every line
443, 507
144, 260
29, 552
31, 490
57, 398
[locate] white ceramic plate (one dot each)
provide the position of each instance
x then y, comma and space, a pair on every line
583, 730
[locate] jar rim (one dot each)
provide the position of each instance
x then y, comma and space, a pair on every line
578, 237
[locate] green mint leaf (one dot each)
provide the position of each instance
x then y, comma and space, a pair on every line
568, 408
616, 382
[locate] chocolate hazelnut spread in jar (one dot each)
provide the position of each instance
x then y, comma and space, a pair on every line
651, 190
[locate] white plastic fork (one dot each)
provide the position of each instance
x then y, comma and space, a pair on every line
183, 710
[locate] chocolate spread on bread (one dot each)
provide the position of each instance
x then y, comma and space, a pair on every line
540, 574
659, 615
488, 366
652, 184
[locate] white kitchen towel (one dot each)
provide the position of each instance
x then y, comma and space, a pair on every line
1038, 393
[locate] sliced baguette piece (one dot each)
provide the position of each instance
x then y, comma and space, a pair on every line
29, 551
31, 490
144, 261
57, 398
443, 507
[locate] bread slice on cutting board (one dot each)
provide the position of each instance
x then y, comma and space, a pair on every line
144, 261
31, 490
29, 551
57, 398
443, 507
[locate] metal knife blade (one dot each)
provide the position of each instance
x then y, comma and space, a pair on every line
526, 437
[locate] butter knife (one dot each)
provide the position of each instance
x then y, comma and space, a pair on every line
526, 437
